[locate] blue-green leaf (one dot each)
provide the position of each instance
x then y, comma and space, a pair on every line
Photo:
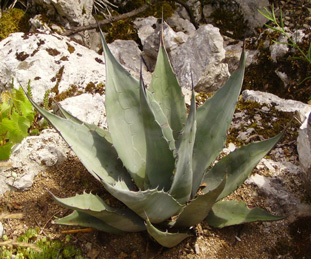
238, 165
158, 205
94, 151
81, 219
182, 181
213, 120
167, 92
160, 160
122, 219
228, 213
198, 209
125, 123
165, 239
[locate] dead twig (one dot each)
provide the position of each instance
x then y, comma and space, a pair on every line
11, 216
109, 20
73, 231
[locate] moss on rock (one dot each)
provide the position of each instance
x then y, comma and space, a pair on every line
13, 20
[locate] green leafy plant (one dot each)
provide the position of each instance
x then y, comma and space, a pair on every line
31, 246
270, 15
16, 117
156, 160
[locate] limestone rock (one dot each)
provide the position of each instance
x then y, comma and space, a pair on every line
87, 108
33, 155
279, 103
278, 50
69, 14
50, 62
172, 41
145, 27
277, 187
78, 12
214, 76
304, 151
127, 53
180, 24
129, 56
203, 49
250, 10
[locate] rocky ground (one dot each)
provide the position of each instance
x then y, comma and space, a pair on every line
288, 238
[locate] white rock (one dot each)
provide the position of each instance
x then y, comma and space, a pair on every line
128, 54
279, 50
33, 155
304, 151
191, 58
145, 27
283, 77
1, 230
279, 103
87, 108
250, 11
281, 197
180, 24
172, 40
214, 77
48, 61
74, 11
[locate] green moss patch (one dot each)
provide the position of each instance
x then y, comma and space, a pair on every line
13, 20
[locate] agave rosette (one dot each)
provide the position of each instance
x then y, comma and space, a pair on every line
157, 160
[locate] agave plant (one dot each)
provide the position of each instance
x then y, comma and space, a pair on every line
159, 161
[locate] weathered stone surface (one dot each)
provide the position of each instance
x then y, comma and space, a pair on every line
145, 27
277, 187
250, 10
78, 12
88, 108
247, 8
1, 230
172, 40
127, 53
50, 62
279, 103
129, 56
278, 50
214, 76
203, 49
180, 24
34, 154
68, 14
304, 151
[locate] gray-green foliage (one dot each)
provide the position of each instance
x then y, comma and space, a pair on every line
157, 160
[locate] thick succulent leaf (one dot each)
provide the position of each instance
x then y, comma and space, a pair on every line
122, 219
228, 213
165, 239
213, 120
160, 161
102, 132
238, 165
167, 92
182, 181
81, 219
124, 118
158, 205
161, 118
198, 209
95, 152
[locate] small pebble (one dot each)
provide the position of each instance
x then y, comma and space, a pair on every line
1, 230
197, 249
